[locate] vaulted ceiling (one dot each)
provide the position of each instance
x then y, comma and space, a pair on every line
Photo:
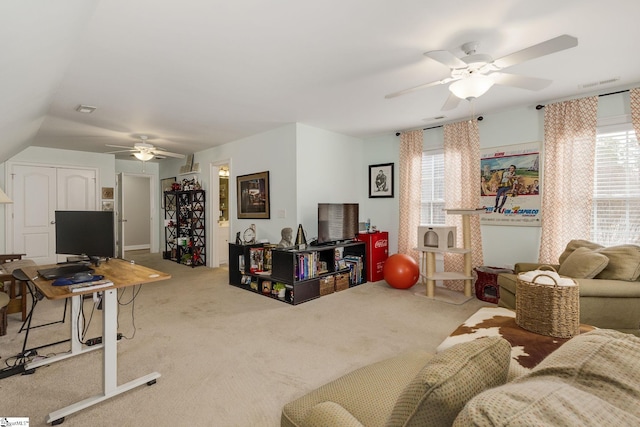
199, 73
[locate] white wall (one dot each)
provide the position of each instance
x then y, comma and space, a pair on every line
308, 165
383, 212
503, 245
327, 171
49, 156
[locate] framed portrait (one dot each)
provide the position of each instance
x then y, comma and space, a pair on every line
381, 180
253, 196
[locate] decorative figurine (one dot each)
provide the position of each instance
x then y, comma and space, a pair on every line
287, 236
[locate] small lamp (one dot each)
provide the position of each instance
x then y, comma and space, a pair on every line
4, 198
471, 87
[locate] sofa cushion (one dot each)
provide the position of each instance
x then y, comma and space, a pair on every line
593, 379
575, 244
583, 263
440, 390
624, 263
330, 414
359, 392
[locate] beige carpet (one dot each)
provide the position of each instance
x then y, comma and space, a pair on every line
443, 294
228, 357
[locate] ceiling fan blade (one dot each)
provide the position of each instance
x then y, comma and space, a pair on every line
415, 88
160, 152
523, 82
451, 102
447, 58
119, 151
541, 49
119, 146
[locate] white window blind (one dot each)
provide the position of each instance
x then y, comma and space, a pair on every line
616, 190
432, 195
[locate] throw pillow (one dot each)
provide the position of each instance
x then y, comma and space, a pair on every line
591, 380
442, 388
624, 263
583, 263
575, 244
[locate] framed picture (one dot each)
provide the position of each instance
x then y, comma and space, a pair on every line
381, 180
166, 184
253, 196
510, 185
107, 193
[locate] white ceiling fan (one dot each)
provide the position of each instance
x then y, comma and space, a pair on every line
474, 74
144, 151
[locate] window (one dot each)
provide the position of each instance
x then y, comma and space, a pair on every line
616, 190
432, 194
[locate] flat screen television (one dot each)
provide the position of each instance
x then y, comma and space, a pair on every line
85, 233
337, 222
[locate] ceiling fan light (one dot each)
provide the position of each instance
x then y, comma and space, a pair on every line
471, 87
143, 156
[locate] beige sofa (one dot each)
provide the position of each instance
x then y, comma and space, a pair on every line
591, 380
609, 281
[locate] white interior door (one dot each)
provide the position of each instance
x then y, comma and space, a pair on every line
76, 189
38, 192
34, 202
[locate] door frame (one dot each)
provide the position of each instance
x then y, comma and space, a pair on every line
213, 258
154, 223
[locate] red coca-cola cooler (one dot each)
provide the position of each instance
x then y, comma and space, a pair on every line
377, 247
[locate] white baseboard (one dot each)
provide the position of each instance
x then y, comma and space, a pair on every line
137, 247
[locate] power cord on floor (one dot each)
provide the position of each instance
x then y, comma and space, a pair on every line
135, 290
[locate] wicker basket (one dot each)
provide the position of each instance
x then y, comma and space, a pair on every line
551, 310
342, 282
327, 285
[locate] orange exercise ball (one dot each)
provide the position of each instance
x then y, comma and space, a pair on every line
401, 271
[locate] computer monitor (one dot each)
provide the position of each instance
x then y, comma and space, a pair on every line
86, 233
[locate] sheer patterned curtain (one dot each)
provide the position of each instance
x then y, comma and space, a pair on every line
567, 192
634, 95
461, 190
410, 177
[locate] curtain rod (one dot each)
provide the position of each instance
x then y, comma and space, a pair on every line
480, 118
540, 106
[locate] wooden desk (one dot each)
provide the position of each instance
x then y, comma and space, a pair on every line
122, 273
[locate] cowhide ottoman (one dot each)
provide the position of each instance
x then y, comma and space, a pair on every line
527, 348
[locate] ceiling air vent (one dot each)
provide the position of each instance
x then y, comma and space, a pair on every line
598, 83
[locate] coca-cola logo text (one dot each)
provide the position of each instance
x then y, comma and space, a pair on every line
382, 243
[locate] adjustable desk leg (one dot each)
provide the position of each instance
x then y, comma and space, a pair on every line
110, 362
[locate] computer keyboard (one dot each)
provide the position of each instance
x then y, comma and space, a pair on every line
89, 286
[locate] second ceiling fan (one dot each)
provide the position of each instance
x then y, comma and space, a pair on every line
144, 151
474, 74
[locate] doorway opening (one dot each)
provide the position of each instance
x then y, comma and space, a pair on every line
220, 212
